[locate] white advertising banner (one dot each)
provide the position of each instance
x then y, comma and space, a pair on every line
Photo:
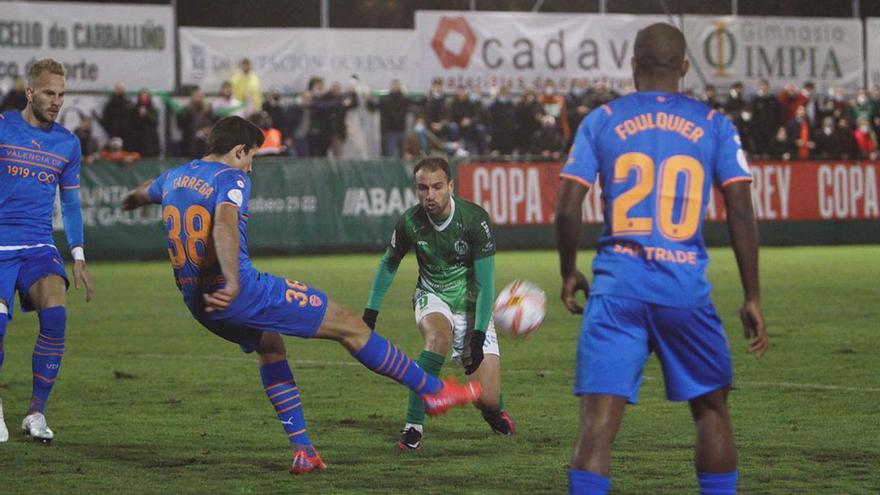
827, 51
872, 31
490, 49
99, 44
287, 58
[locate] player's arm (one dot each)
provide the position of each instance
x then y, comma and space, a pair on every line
140, 196
744, 237
733, 176
578, 175
484, 282
71, 213
225, 234
385, 274
386, 271
568, 230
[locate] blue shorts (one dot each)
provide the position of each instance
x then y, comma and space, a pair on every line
268, 304
22, 268
618, 335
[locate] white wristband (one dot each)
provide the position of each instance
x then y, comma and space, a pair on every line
78, 254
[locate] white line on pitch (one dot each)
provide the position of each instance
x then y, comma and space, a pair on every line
313, 363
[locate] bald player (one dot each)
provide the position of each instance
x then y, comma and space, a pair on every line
656, 153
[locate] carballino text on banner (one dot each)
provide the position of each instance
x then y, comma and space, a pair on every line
99, 44
524, 193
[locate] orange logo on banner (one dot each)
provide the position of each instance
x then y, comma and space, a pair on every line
446, 27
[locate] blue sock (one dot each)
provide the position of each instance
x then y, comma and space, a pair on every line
386, 359
587, 483
717, 483
3, 317
48, 352
284, 396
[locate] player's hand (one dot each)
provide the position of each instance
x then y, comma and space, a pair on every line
130, 201
82, 276
753, 328
571, 284
370, 317
221, 298
478, 338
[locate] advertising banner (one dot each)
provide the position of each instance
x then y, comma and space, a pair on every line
827, 51
287, 58
99, 44
872, 50
523, 193
490, 49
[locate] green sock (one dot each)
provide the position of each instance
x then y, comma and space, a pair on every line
501, 402
430, 362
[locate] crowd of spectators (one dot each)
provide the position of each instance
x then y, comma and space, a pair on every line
794, 123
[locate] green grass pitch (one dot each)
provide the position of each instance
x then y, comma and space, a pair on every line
149, 402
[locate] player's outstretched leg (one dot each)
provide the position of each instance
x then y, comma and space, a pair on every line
491, 403
714, 452
284, 395
384, 358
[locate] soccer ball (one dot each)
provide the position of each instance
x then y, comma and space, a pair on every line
519, 308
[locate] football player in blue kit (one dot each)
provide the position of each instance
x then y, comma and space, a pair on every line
657, 154
205, 211
37, 156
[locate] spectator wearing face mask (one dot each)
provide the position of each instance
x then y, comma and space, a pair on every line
528, 121
548, 141
744, 122
782, 148
861, 106
765, 118
866, 139
828, 142
736, 100
554, 105
849, 147
789, 100
502, 123
811, 103
466, 113
800, 131
421, 142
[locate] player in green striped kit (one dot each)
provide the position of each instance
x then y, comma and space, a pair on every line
454, 294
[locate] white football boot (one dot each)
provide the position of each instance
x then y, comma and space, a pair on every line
4, 433
34, 426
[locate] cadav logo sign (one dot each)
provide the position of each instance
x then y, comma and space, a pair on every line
453, 42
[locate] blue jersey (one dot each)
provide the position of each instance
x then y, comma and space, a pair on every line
190, 195
657, 156
34, 162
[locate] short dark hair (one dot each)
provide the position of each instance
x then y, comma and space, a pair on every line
432, 164
230, 132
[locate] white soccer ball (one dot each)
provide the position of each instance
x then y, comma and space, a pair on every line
519, 309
